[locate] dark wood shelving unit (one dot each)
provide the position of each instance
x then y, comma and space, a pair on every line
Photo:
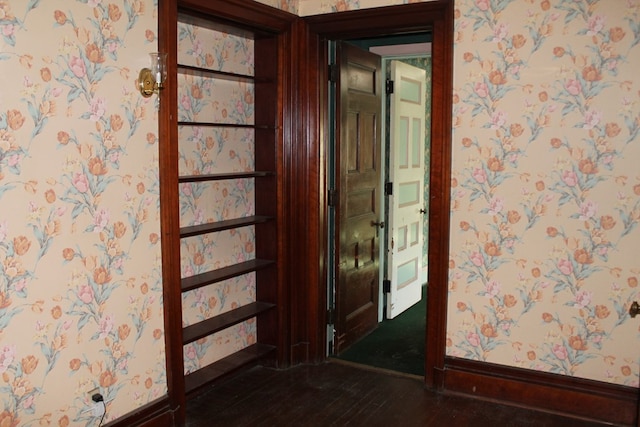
266, 133
263, 129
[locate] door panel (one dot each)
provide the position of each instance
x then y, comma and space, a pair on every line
358, 181
406, 171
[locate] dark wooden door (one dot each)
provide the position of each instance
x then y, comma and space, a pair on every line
358, 181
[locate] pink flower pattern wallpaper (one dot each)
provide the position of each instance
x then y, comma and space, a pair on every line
545, 197
546, 189
317, 7
80, 273
286, 5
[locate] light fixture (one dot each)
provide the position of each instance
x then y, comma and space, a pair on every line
151, 80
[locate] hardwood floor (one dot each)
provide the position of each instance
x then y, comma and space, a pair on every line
338, 394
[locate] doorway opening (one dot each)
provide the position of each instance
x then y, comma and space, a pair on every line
435, 17
398, 341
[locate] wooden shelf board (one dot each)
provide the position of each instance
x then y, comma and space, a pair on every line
227, 125
222, 321
227, 365
199, 280
217, 74
196, 230
224, 176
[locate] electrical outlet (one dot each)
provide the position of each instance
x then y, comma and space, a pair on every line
95, 390
97, 407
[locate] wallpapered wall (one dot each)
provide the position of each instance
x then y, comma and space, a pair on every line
545, 199
317, 7
546, 187
80, 279
286, 5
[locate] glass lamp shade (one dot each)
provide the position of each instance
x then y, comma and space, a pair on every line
159, 68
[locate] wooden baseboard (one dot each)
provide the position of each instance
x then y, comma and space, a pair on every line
155, 414
573, 397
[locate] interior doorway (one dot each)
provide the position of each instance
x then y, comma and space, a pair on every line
396, 341
437, 17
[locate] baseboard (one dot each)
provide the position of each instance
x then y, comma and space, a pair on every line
155, 414
577, 398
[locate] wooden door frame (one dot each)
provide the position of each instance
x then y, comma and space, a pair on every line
312, 39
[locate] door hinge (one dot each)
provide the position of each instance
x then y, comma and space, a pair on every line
332, 197
333, 73
331, 316
389, 87
386, 286
388, 188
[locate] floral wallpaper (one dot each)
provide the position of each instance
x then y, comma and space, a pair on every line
546, 189
545, 197
286, 5
80, 276
216, 149
317, 7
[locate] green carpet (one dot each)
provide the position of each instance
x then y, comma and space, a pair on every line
396, 344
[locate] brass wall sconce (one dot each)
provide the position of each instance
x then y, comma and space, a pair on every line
151, 80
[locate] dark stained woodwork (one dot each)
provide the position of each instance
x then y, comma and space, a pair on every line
223, 176
243, 13
214, 324
358, 178
304, 195
381, 21
215, 74
272, 29
575, 397
441, 21
154, 414
194, 230
224, 273
169, 211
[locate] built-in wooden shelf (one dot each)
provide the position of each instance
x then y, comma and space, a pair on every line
203, 279
259, 134
212, 227
216, 74
225, 366
222, 321
228, 125
224, 176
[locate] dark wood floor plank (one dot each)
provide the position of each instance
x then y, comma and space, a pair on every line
339, 394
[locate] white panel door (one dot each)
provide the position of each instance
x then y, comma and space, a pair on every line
406, 171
